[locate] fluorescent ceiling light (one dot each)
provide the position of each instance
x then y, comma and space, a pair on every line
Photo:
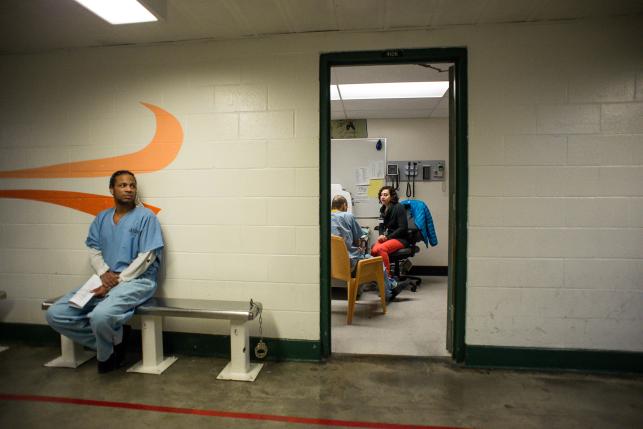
375, 91
119, 11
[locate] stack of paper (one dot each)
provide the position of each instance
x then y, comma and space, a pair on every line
84, 294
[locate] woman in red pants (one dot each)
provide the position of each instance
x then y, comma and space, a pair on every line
394, 227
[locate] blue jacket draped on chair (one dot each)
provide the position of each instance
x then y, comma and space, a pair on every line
423, 220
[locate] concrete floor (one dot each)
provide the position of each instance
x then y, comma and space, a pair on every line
415, 323
386, 392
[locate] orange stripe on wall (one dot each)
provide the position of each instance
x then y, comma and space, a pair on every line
88, 203
159, 153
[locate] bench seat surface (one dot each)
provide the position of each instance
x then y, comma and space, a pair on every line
209, 309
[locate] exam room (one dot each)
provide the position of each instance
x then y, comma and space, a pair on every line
373, 142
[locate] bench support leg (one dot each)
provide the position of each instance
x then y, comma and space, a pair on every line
72, 355
239, 368
152, 335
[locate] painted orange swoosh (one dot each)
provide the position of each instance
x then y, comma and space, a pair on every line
160, 152
88, 203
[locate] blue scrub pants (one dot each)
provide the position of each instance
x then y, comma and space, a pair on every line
99, 325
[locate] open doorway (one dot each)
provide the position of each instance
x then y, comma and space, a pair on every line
405, 129
427, 322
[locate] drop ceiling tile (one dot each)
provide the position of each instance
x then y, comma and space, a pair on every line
503, 11
309, 15
410, 13
360, 14
459, 12
259, 17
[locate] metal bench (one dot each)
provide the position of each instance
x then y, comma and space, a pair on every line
239, 313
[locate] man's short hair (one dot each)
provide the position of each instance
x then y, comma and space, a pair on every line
112, 180
338, 202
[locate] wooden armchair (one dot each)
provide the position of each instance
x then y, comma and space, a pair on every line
368, 270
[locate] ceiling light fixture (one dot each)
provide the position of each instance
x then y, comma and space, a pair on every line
375, 91
119, 11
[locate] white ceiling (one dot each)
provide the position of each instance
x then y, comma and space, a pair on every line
37, 25
43, 25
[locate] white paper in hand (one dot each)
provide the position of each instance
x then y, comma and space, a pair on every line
84, 294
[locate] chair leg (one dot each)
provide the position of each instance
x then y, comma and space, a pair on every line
352, 297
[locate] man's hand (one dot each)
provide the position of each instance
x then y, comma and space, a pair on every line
109, 279
381, 239
100, 291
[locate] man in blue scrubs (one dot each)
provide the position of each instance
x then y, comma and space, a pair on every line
124, 244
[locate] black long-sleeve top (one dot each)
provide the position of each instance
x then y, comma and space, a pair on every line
394, 224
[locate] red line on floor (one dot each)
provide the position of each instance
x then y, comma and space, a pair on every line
215, 413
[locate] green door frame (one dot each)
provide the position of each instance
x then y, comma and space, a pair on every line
457, 56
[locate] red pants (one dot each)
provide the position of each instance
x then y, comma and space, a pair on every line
383, 250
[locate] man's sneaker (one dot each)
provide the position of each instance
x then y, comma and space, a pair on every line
108, 365
399, 287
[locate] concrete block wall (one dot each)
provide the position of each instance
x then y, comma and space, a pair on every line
239, 204
556, 190
555, 174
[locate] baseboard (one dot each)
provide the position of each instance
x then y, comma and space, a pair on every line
30, 334
476, 356
174, 342
553, 359
425, 270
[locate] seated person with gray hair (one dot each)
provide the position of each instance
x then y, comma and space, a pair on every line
344, 224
